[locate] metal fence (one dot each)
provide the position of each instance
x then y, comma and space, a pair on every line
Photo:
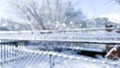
23, 57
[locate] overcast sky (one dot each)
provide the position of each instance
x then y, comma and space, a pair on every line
91, 8
99, 7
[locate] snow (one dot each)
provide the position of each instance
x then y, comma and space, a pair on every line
114, 17
42, 59
43, 62
22, 57
63, 35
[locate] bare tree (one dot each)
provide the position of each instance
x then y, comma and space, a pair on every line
42, 12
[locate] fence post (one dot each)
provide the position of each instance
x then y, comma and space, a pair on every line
51, 61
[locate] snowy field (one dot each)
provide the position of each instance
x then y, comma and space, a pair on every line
39, 59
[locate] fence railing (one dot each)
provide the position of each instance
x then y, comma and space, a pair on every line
82, 35
22, 57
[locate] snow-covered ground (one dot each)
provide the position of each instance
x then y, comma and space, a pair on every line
43, 59
63, 63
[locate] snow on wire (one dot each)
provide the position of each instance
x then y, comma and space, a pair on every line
80, 35
62, 55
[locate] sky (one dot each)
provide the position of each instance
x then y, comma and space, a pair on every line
101, 8
91, 8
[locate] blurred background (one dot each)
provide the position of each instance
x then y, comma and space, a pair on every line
59, 19
57, 14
